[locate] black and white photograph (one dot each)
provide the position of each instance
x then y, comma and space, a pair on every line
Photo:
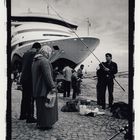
70, 70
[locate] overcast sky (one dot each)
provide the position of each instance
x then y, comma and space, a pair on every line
109, 22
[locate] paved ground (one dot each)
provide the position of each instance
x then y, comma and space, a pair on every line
71, 126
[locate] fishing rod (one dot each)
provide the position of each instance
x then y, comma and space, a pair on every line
84, 44
120, 131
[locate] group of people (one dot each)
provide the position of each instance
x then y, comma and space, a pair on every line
105, 79
38, 82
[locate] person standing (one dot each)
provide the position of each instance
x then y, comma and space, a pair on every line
44, 86
55, 73
74, 80
27, 102
99, 74
106, 74
67, 72
80, 76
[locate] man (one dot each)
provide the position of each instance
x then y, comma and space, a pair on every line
67, 72
27, 103
55, 73
80, 76
105, 75
74, 79
43, 84
99, 86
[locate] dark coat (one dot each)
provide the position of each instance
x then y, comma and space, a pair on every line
74, 80
42, 84
42, 76
79, 73
26, 76
102, 74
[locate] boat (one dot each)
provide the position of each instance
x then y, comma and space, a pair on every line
59, 34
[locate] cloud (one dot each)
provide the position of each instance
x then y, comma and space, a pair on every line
109, 19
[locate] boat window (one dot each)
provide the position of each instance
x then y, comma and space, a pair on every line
20, 44
55, 35
56, 48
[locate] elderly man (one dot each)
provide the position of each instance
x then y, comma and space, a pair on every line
43, 84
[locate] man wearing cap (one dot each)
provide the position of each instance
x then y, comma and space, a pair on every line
43, 84
27, 102
106, 74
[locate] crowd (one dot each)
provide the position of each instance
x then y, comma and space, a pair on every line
39, 85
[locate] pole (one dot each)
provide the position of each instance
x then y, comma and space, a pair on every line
48, 8
88, 26
114, 136
119, 84
120, 131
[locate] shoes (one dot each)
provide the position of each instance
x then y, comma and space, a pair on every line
43, 128
31, 120
103, 107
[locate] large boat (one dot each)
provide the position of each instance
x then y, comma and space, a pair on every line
68, 49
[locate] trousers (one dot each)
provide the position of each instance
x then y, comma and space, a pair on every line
27, 103
108, 83
67, 86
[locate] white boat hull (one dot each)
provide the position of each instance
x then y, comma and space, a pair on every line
56, 33
71, 49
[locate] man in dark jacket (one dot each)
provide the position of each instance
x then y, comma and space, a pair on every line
27, 103
80, 76
74, 80
105, 75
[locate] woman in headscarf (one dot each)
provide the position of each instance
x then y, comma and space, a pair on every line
43, 84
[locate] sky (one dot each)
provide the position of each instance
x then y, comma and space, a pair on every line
108, 18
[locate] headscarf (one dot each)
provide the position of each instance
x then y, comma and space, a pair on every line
46, 51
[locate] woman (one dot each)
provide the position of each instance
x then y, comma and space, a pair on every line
43, 84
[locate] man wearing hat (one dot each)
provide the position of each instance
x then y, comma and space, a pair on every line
106, 74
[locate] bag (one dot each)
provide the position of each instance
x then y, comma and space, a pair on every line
71, 106
120, 110
50, 102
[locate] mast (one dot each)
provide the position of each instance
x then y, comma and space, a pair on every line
29, 10
88, 26
48, 8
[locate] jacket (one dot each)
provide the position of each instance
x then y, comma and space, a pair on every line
113, 69
42, 76
74, 80
79, 73
26, 76
67, 71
